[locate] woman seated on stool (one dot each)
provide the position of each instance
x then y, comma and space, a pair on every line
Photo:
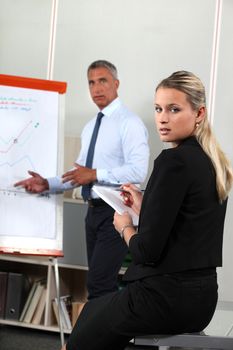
172, 284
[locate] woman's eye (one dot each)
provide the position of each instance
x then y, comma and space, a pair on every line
174, 110
158, 109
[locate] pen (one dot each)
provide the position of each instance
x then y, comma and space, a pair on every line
122, 190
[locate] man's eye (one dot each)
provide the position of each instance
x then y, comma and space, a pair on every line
158, 109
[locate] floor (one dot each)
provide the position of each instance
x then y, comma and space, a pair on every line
18, 338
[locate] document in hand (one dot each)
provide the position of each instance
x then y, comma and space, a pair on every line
113, 197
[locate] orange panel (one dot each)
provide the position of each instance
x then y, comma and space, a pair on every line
33, 83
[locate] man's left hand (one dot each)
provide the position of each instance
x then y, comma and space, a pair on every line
80, 175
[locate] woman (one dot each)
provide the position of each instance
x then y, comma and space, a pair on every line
172, 284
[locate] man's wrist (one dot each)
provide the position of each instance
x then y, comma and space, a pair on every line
94, 175
46, 184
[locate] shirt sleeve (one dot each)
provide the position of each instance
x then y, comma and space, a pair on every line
161, 205
81, 159
57, 186
134, 138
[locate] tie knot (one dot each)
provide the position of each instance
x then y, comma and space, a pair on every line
100, 116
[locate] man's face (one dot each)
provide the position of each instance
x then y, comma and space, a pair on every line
103, 86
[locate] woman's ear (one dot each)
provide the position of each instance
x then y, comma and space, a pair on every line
201, 114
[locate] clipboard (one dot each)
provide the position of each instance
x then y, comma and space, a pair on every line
112, 196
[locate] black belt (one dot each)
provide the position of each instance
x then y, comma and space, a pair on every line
96, 202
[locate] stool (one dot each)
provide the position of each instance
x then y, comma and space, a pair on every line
189, 340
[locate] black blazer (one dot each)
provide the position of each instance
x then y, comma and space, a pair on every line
181, 220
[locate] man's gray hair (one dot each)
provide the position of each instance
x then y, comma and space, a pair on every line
104, 64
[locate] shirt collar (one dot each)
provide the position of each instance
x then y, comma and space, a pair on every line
108, 110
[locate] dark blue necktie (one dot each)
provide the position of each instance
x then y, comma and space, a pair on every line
86, 189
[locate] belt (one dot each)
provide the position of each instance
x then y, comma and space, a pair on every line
96, 202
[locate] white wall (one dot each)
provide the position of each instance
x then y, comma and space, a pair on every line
223, 127
146, 40
24, 37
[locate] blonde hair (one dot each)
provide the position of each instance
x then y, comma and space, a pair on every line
192, 86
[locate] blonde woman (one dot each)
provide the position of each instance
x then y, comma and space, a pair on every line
172, 283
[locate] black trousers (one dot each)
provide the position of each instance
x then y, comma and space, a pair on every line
154, 305
105, 251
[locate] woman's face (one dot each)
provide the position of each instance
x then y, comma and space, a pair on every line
174, 116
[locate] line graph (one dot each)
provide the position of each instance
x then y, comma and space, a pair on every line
28, 141
14, 140
17, 161
31, 119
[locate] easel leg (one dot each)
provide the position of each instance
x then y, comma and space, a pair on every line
57, 282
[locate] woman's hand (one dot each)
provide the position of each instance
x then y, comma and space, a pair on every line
124, 225
132, 197
121, 220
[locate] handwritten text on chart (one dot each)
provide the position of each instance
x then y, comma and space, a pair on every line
12, 103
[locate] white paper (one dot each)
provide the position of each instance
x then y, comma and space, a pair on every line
28, 141
114, 199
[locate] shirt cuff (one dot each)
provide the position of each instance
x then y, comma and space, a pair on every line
57, 186
105, 176
101, 175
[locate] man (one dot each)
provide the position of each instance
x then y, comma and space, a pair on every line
114, 152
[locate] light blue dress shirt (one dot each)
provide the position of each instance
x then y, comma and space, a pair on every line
121, 151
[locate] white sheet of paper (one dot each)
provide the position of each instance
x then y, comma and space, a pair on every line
30, 116
114, 199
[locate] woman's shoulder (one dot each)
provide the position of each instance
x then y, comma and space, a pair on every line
188, 148
189, 155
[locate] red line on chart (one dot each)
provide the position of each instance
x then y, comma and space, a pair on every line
15, 140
